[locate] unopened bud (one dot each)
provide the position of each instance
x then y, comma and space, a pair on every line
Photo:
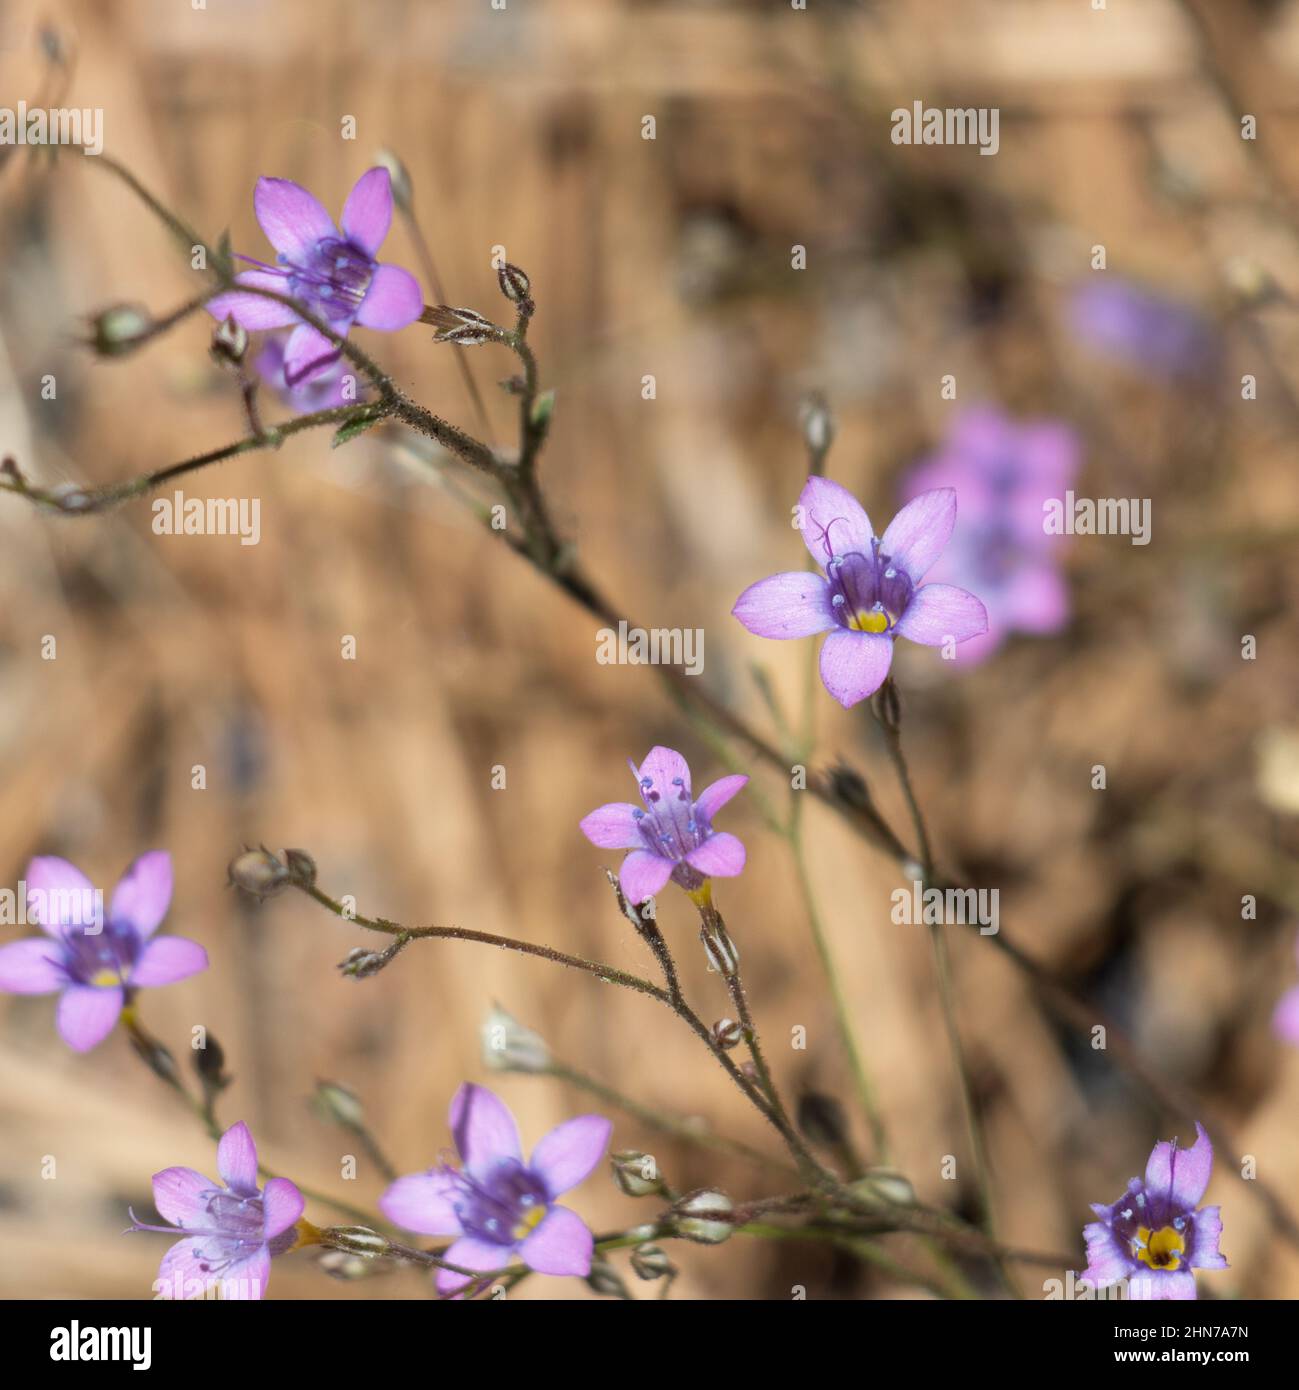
120, 329
356, 1240
822, 1119
650, 1262
887, 1186
156, 1057
849, 787
727, 1033
636, 1174
509, 1046
403, 194
259, 872
542, 409
515, 285
342, 1264
361, 962
301, 867
229, 343
604, 1279
703, 1217
210, 1064
817, 423
464, 326
723, 954
1252, 283
337, 1103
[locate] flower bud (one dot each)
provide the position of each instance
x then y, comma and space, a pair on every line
156, 1057
259, 872
849, 786
821, 1118
403, 194
604, 1279
650, 1262
361, 962
210, 1064
464, 326
727, 1033
636, 1173
542, 409
515, 285
337, 1103
723, 954
120, 329
355, 1240
229, 343
341, 1264
509, 1046
885, 1185
703, 1217
817, 423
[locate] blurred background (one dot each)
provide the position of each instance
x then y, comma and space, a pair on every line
673, 258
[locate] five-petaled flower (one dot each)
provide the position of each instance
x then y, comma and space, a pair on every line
871, 590
231, 1228
97, 963
672, 836
494, 1203
1153, 1236
332, 273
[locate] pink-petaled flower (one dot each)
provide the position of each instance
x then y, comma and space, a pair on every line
232, 1228
96, 963
332, 386
332, 272
1285, 1021
1153, 1236
1004, 471
871, 590
672, 835
495, 1204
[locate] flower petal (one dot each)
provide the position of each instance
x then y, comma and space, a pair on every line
31, 966
143, 894
665, 767
247, 1280
181, 1274
613, 826
1161, 1284
181, 1195
86, 1015
282, 1204
1202, 1251
393, 300
58, 894
1035, 599
796, 604
237, 1160
854, 664
309, 351
1108, 1259
565, 1157
367, 214
714, 797
1285, 1021
471, 1254
833, 521
642, 875
251, 311
1178, 1177
483, 1128
918, 535
560, 1245
168, 959
291, 217
941, 613
720, 855
422, 1202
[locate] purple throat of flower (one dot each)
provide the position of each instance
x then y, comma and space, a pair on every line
237, 1230
103, 959
333, 280
1155, 1238
503, 1206
671, 825
868, 593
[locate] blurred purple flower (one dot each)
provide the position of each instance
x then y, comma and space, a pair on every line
97, 964
324, 390
1285, 1021
1142, 328
495, 1204
1003, 472
673, 836
333, 273
871, 592
1153, 1236
231, 1231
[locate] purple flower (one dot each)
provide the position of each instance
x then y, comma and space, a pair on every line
1153, 1237
333, 273
1003, 471
97, 964
871, 591
672, 837
1143, 329
495, 1204
1285, 1021
231, 1228
323, 391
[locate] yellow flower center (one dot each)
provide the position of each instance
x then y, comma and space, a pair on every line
1161, 1250
105, 978
869, 620
529, 1221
